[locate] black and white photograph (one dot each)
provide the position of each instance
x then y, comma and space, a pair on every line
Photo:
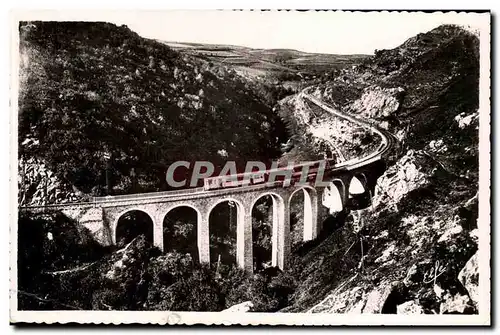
267, 166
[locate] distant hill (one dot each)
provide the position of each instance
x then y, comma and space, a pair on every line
91, 88
269, 63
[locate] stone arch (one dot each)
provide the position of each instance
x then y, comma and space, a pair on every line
359, 192
357, 184
280, 228
179, 238
149, 231
333, 196
225, 242
310, 212
219, 201
183, 205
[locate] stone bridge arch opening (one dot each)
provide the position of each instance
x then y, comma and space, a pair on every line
333, 196
133, 223
357, 185
359, 193
268, 216
303, 206
223, 221
180, 226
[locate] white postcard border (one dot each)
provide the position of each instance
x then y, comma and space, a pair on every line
480, 21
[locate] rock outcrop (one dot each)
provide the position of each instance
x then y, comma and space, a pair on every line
357, 300
456, 304
466, 120
469, 277
410, 172
240, 308
377, 102
409, 308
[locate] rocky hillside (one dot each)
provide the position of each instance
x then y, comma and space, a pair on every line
413, 250
317, 134
88, 90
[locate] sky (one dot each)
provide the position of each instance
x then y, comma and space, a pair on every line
319, 32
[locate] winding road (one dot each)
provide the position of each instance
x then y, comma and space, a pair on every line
388, 140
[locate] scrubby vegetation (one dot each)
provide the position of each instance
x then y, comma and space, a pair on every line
135, 276
89, 90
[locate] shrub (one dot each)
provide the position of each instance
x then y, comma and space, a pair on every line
200, 292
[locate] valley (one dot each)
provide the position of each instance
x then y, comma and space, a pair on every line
96, 90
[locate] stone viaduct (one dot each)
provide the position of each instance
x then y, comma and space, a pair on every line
102, 215
345, 182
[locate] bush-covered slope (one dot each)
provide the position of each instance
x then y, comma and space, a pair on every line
62, 268
408, 252
87, 89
